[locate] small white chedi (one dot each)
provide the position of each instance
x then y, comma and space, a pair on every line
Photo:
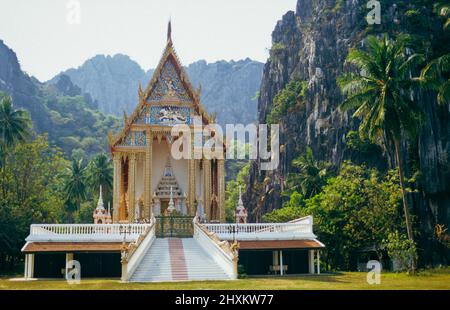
241, 213
101, 215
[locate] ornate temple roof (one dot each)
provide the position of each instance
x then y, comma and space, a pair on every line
167, 100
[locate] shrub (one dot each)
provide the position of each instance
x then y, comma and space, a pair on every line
288, 98
401, 249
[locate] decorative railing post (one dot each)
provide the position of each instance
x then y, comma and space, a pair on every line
124, 262
223, 253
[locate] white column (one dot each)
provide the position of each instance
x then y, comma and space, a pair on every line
29, 266
274, 260
281, 264
69, 257
318, 262
25, 273
311, 261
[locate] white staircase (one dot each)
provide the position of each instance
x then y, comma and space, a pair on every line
177, 260
200, 264
155, 265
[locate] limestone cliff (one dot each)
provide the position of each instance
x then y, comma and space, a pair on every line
312, 44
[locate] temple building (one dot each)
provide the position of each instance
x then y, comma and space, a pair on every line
168, 215
144, 170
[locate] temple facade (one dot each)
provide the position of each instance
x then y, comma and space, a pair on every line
145, 172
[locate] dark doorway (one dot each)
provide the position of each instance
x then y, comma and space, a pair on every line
255, 262
296, 260
49, 265
99, 265
258, 262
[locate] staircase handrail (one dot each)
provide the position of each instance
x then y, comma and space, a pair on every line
223, 253
133, 253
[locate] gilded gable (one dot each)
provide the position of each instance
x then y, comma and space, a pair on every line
169, 86
168, 100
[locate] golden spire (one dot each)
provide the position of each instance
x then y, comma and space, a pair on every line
125, 118
140, 91
169, 31
110, 138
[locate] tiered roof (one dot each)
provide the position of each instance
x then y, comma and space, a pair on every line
169, 86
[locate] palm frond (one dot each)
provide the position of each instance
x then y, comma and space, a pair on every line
444, 93
14, 124
358, 100
436, 67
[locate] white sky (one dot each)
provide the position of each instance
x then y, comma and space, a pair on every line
46, 43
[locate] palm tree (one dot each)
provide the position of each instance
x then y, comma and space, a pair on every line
14, 128
436, 74
75, 185
381, 96
100, 172
312, 174
14, 125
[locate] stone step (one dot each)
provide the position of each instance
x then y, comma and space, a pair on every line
177, 260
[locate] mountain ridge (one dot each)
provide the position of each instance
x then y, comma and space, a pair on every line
62, 111
113, 80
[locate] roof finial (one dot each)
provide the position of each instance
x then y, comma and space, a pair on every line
240, 203
169, 31
100, 199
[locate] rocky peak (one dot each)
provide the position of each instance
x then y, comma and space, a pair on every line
65, 86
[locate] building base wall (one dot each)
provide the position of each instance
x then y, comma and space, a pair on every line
270, 262
93, 265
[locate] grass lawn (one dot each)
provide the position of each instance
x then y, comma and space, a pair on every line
425, 280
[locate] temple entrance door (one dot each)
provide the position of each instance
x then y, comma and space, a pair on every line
174, 226
164, 206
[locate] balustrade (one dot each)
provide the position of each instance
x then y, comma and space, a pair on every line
77, 232
292, 230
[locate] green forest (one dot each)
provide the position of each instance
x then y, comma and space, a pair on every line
40, 183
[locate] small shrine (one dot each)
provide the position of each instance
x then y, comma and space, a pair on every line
241, 214
169, 194
101, 215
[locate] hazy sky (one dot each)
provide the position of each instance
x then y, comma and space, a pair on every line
47, 38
